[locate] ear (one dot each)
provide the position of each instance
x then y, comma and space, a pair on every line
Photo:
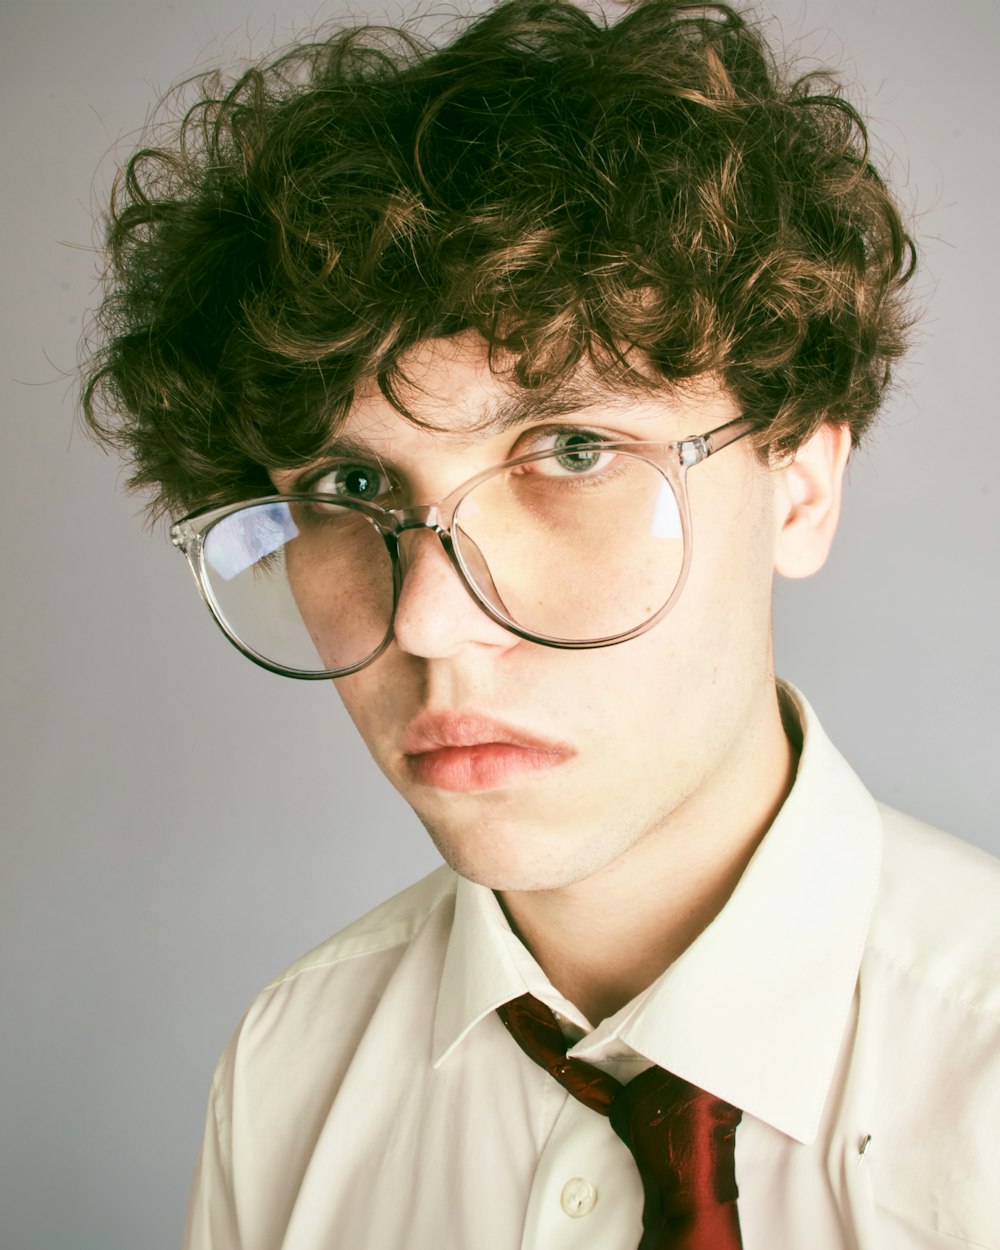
807, 498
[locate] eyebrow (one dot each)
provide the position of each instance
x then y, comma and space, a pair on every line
515, 410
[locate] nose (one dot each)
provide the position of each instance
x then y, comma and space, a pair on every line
436, 615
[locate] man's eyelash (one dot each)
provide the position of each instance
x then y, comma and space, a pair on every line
582, 431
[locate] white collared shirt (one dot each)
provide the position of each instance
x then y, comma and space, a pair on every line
847, 998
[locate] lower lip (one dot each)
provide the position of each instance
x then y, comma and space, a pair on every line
486, 766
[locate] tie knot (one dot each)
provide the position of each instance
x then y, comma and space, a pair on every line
536, 1030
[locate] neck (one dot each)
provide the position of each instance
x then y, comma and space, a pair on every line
603, 940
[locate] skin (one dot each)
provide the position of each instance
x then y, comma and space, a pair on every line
672, 759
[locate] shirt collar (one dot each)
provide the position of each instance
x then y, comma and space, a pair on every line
754, 1010
485, 966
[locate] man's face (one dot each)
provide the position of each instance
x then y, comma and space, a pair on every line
533, 767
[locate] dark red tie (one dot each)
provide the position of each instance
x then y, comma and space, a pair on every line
682, 1138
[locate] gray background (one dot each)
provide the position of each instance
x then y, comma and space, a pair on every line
179, 825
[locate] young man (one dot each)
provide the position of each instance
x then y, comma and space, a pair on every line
498, 380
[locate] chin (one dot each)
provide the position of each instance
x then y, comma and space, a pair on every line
506, 862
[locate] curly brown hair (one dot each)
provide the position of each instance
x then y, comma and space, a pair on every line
654, 197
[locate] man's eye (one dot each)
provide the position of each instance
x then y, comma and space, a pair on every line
353, 481
566, 445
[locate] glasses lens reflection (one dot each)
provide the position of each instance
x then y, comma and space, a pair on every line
306, 586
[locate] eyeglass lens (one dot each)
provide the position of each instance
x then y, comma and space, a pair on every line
575, 547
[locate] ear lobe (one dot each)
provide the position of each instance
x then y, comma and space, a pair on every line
807, 501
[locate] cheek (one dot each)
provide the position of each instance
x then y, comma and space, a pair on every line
363, 698
694, 673
732, 569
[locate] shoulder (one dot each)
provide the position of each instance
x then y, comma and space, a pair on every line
937, 913
314, 1014
371, 986
391, 926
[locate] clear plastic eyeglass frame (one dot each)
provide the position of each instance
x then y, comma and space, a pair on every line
672, 460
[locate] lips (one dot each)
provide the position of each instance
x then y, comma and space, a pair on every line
464, 751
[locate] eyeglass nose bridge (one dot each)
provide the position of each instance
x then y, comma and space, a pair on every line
398, 521
423, 517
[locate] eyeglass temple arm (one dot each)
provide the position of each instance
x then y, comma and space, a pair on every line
700, 446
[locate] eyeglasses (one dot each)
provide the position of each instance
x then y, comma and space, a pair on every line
586, 544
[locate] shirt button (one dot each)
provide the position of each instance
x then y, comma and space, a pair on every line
578, 1197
